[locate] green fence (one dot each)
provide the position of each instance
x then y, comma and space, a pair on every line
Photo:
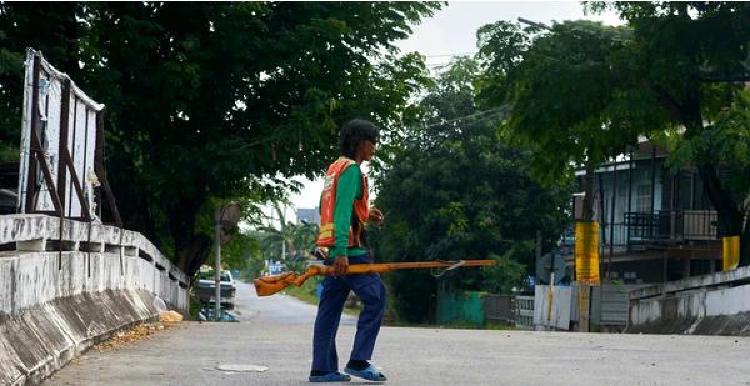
460, 307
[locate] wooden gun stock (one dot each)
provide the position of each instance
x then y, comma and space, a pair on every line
269, 285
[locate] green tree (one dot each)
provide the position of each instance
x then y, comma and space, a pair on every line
570, 106
295, 240
692, 58
290, 243
46, 26
581, 91
460, 192
200, 111
238, 252
304, 236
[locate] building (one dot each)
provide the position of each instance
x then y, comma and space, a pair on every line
310, 216
656, 223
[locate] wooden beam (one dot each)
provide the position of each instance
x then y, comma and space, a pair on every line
47, 176
101, 171
85, 213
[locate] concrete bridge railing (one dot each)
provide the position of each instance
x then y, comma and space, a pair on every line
713, 304
60, 295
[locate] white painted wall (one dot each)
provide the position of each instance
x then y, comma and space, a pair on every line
728, 301
690, 305
552, 307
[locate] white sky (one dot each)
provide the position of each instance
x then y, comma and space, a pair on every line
452, 31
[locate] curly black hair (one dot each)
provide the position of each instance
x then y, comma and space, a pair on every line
354, 132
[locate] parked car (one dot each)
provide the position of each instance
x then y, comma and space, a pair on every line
207, 289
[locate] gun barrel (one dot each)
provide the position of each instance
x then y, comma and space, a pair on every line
269, 285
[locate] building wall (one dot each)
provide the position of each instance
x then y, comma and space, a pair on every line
686, 237
679, 192
311, 216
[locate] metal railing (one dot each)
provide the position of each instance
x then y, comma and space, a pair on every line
638, 228
671, 225
524, 312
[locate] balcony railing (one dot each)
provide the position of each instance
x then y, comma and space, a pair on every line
687, 225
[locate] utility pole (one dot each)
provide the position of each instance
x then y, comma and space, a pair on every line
217, 263
282, 226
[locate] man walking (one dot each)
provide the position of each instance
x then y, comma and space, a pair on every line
344, 210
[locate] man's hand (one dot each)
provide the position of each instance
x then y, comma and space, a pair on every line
341, 265
376, 216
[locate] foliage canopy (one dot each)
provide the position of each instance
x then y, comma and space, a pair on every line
206, 99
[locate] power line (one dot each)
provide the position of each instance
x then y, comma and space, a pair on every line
478, 115
451, 55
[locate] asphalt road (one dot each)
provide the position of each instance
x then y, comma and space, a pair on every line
276, 332
277, 309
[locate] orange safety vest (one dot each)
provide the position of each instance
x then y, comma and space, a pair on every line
361, 211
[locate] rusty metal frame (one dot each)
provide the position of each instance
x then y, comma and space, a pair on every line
65, 162
36, 159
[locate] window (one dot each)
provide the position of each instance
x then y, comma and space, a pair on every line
643, 198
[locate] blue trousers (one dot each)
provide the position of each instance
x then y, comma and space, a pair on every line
370, 289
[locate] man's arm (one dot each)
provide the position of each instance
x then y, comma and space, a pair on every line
347, 191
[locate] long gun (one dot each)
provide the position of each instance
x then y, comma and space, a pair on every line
269, 285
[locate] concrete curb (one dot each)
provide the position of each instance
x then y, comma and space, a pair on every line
38, 342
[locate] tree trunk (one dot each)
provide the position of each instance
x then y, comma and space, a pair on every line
730, 216
190, 249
